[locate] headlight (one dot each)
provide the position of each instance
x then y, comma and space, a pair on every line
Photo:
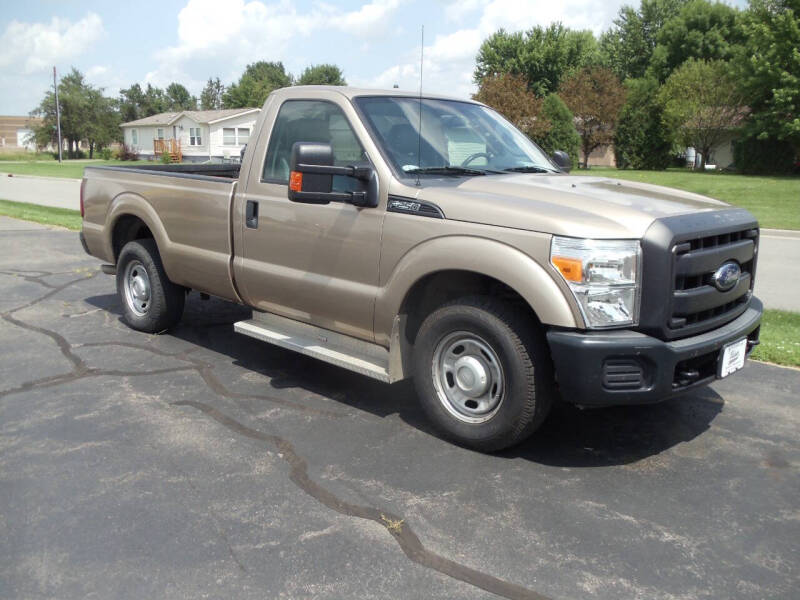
604, 276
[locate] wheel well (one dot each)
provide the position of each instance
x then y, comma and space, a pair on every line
436, 289
126, 229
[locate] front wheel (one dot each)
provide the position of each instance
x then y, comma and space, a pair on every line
150, 301
483, 373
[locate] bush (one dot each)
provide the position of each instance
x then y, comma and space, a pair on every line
562, 134
165, 158
642, 141
126, 152
754, 156
105, 153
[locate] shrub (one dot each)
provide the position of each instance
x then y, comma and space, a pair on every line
641, 140
105, 153
165, 158
562, 134
126, 152
770, 156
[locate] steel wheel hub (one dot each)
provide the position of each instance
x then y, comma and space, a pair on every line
136, 283
468, 377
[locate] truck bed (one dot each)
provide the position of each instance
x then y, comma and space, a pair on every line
194, 171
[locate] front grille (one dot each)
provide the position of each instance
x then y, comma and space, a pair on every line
680, 254
697, 304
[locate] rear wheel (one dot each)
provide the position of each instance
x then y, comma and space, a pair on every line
150, 301
483, 373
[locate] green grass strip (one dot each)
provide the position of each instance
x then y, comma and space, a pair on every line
47, 215
780, 338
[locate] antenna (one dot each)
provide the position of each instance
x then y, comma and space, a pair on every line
419, 129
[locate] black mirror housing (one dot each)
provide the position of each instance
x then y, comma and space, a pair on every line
562, 160
312, 172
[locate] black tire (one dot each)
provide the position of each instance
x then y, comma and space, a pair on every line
515, 341
162, 307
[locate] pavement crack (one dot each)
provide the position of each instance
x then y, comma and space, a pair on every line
408, 541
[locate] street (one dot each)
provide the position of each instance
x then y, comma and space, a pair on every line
201, 463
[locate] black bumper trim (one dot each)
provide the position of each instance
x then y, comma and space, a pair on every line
579, 359
83, 243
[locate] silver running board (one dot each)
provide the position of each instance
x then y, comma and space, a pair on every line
334, 348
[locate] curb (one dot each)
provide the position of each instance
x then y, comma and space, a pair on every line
37, 177
784, 233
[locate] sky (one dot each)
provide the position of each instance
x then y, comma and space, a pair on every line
376, 43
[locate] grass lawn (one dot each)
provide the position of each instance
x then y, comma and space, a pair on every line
71, 169
780, 338
775, 201
63, 217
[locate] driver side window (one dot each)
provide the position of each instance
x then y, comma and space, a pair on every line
311, 121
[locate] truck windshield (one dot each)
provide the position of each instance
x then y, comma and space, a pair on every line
458, 138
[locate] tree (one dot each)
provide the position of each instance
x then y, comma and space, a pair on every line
509, 95
595, 96
703, 102
542, 55
641, 140
700, 30
768, 68
211, 96
627, 47
178, 98
562, 134
85, 115
135, 103
255, 84
325, 74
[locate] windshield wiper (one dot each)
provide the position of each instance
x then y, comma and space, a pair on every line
445, 170
528, 169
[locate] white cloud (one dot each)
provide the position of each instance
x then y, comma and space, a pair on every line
32, 47
450, 59
233, 33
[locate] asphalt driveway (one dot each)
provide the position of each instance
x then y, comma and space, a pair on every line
204, 464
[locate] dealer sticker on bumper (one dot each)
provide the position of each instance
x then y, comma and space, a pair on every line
732, 358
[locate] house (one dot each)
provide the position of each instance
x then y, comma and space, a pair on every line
192, 135
15, 132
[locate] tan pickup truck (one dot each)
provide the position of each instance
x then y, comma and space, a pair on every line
399, 236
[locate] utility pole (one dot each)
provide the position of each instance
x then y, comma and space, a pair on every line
58, 115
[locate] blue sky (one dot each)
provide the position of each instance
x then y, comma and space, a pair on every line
375, 42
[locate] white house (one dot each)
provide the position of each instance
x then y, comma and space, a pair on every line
192, 135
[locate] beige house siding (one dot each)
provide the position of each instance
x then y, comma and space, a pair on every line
602, 157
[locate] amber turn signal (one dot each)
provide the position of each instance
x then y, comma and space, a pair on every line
570, 268
296, 181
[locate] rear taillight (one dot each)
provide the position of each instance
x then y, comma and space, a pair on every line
83, 187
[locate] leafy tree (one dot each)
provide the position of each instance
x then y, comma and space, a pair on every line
703, 102
562, 134
255, 84
135, 103
700, 30
595, 96
178, 98
211, 96
85, 115
642, 141
768, 68
326, 74
627, 47
543, 56
508, 94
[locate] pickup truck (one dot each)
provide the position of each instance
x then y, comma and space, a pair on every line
404, 236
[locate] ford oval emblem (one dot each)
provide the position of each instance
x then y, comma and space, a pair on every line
727, 276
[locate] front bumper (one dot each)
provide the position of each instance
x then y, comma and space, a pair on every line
627, 367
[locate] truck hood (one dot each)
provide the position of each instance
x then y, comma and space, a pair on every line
573, 205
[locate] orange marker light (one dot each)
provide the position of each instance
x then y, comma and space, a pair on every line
296, 181
571, 268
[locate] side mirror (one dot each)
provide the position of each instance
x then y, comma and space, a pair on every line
311, 177
562, 160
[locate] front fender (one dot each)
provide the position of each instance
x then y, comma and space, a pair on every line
479, 255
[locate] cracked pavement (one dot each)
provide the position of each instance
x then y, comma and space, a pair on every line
201, 463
